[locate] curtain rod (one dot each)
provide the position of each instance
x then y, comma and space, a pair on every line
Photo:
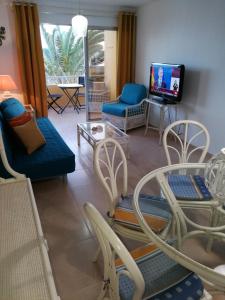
19, 3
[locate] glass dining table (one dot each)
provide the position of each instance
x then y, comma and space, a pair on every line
71, 90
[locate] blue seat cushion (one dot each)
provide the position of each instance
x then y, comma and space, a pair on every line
12, 108
189, 187
116, 109
55, 96
133, 93
155, 209
52, 159
164, 279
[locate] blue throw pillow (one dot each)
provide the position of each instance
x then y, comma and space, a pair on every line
133, 93
12, 108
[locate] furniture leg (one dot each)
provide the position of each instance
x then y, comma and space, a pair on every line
77, 102
147, 117
66, 92
128, 151
213, 223
161, 123
78, 135
74, 100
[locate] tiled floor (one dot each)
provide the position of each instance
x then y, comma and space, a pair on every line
70, 239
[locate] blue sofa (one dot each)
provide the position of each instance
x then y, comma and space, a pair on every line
52, 159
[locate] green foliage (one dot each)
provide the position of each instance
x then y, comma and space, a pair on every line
64, 53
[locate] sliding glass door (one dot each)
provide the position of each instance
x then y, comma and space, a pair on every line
101, 60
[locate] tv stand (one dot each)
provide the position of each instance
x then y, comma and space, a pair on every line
164, 105
162, 100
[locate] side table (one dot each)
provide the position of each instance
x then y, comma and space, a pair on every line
164, 108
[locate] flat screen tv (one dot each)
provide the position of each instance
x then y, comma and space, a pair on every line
166, 81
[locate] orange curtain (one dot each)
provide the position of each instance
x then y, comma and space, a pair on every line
31, 62
126, 49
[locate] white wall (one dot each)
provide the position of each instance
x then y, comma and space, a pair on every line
191, 32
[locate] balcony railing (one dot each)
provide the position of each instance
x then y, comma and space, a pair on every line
54, 80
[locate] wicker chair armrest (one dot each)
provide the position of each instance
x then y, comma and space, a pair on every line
136, 109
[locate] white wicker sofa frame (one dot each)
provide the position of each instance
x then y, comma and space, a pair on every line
25, 271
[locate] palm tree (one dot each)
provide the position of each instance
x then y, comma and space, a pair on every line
64, 56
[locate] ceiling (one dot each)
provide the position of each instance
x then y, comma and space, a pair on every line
96, 3
133, 3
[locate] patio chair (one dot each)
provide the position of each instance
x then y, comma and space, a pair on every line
110, 165
53, 99
129, 110
182, 222
144, 273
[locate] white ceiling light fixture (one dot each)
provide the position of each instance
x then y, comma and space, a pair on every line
79, 24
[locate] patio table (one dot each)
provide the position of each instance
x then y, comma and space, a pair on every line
72, 98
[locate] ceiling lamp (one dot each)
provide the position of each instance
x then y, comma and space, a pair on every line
79, 24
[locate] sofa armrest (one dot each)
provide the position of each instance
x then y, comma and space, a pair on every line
29, 108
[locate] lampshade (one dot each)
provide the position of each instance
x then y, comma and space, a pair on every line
215, 175
79, 25
6, 83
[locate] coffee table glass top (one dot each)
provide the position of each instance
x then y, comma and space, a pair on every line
102, 130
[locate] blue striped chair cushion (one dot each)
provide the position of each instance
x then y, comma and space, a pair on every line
155, 209
164, 278
189, 187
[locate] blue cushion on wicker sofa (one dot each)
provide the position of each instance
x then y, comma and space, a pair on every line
12, 108
183, 283
116, 109
133, 93
52, 159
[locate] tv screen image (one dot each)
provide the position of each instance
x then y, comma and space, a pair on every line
166, 81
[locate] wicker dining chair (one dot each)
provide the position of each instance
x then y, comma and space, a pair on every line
184, 227
190, 191
144, 273
110, 165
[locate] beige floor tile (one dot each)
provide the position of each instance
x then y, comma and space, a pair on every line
68, 232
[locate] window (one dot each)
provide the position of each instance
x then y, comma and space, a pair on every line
64, 54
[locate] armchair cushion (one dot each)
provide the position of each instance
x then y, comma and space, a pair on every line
116, 109
133, 93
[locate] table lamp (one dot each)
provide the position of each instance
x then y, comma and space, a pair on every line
7, 85
215, 176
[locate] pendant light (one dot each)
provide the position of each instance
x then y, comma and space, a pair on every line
79, 24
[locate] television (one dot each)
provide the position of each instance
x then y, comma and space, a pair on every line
166, 82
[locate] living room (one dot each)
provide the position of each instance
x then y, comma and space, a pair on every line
186, 32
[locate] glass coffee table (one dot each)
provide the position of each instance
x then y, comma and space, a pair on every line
94, 132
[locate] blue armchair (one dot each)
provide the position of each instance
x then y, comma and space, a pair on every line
129, 110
